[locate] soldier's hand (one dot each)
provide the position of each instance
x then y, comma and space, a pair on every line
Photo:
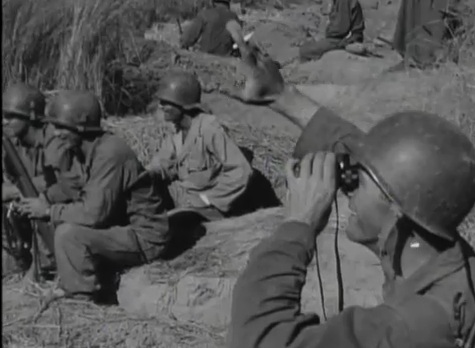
10, 192
34, 208
264, 82
311, 189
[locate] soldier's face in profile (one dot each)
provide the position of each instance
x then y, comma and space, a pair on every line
73, 139
14, 126
172, 113
370, 209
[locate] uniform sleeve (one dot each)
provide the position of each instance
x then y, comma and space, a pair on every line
192, 32
66, 184
235, 174
67, 188
326, 130
99, 197
164, 162
266, 303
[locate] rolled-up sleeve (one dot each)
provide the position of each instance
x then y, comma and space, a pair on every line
235, 174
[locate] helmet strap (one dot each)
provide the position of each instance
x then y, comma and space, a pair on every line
385, 247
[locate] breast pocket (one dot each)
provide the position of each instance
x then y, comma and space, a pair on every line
197, 159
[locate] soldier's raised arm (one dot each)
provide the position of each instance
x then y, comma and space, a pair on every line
321, 128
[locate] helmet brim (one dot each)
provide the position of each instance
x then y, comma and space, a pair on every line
360, 155
80, 129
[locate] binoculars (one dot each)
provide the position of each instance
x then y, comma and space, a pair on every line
347, 177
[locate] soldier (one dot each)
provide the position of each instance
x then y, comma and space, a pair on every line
345, 26
416, 185
47, 160
118, 220
208, 29
206, 169
45, 156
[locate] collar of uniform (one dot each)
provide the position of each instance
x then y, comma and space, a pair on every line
40, 137
89, 154
436, 269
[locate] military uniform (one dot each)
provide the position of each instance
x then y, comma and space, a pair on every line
208, 29
346, 26
434, 307
119, 219
207, 162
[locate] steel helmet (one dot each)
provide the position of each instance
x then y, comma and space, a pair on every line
78, 110
24, 101
180, 88
426, 165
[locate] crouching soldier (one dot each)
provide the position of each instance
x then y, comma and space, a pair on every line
208, 30
118, 220
47, 161
416, 177
206, 169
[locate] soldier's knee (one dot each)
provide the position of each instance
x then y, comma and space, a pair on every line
64, 233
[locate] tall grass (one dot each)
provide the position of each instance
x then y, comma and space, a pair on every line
71, 44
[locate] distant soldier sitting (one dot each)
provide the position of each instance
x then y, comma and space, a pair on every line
206, 169
208, 30
345, 26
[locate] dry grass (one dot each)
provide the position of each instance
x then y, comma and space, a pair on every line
68, 323
70, 44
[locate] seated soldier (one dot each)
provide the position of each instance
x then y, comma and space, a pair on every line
208, 171
345, 26
119, 219
47, 161
208, 29
46, 157
407, 207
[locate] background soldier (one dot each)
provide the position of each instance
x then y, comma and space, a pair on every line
208, 29
345, 26
118, 220
208, 171
416, 185
47, 159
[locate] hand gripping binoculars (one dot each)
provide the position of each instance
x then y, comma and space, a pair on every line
347, 177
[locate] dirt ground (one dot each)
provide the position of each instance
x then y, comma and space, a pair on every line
185, 303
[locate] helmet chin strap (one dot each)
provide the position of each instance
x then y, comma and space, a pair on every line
385, 248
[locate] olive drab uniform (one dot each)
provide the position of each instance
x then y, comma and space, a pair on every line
434, 307
208, 29
346, 26
206, 162
118, 217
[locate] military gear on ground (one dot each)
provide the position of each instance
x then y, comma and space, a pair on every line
426, 165
76, 110
24, 101
180, 88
